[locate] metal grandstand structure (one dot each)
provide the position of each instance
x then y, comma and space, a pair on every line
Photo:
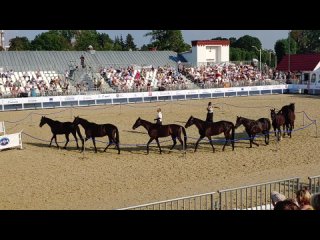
59, 61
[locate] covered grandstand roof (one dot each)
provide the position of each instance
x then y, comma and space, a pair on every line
299, 62
60, 60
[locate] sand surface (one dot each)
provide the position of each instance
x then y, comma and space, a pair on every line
39, 177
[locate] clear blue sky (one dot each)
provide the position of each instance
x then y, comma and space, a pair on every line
267, 37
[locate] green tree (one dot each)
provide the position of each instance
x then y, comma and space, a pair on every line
308, 41
129, 43
232, 41
50, 41
122, 44
246, 42
168, 40
105, 42
282, 48
19, 44
85, 38
117, 44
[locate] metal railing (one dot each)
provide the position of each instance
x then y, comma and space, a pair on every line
205, 201
314, 184
256, 196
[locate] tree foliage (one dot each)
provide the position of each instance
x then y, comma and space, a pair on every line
105, 42
246, 42
282, 48
50, 41
308, 41
129, 43
168, 40
19, 44
85, 38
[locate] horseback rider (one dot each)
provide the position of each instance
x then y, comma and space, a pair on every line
210, 112
159, 117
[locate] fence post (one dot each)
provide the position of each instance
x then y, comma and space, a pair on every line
212, 205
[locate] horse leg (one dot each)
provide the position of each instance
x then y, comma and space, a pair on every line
150, 140
55, 139
67, 137
174, 142
94, 144
51, 141
117, 145
197, 143
227, 136
210, 141
180, 140
83, 141
75, 137
110, 143
159, 144
253, 136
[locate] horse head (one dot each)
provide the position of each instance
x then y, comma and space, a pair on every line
42, 121
76, 120
238, 122
137, 124
189, 122
292, 106
273, 113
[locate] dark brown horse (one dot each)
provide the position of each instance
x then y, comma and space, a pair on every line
208, 129
278, 120
262, 125
61, 128
94, 130
289, 113
159, 131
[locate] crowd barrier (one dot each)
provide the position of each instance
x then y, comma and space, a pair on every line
314, 184
252, 197
205, 201
9, 104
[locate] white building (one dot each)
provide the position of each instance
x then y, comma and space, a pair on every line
205, 52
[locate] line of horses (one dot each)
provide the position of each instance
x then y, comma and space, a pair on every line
284, 118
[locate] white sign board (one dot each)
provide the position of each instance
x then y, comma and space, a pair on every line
10, 141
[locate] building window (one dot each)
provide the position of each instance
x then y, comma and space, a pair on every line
313, 78
306, 77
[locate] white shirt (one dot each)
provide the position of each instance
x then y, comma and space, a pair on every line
159, 115
210, 109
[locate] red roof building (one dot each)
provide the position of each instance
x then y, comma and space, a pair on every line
299, 62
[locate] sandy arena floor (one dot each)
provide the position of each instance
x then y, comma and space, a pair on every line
39, 177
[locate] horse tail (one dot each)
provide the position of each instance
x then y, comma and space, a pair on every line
232, 135
79, 132
185, 137
117, 135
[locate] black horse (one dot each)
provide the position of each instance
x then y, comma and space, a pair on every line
158, 131
62, 128
278, 120
208, 129
94, 130
262, 125
289, 113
